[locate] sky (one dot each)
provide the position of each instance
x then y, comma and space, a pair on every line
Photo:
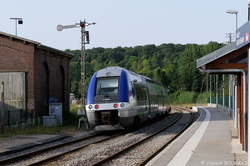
125, 23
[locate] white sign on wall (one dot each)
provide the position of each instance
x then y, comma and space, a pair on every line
55, 109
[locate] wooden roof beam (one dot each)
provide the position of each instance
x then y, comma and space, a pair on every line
227, 66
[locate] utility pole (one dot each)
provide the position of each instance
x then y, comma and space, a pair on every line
230, 36
84, 40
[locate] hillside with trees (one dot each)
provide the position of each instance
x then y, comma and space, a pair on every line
172, 64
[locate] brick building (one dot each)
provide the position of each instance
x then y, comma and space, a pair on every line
46, 71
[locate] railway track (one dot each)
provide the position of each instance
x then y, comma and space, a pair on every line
119, 157
189, 121
34, 157
118, 150
112, 152
72, 144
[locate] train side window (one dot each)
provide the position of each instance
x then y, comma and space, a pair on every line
140, 92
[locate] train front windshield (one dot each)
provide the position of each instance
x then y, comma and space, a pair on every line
107, 86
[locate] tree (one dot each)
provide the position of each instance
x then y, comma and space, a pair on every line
172, 64
75, 78
187, 67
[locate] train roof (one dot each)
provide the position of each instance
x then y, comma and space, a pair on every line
145, 78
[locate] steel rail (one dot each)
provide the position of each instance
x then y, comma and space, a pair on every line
135, 143
170, 141
44, 150
33, 153
27, 155
48, 159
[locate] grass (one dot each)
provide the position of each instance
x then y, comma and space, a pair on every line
31, 130
36, 130
70, 122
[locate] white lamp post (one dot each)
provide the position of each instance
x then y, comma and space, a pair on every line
17, 20
236, 13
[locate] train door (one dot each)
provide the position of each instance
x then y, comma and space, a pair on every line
148, 102
143, 108
161, 101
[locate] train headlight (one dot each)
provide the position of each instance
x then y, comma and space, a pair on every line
90, 107
122, 104
96, 106
115, 105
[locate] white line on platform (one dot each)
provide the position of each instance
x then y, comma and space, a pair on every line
185, 153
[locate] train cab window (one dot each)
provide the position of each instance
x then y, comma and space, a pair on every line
107, 86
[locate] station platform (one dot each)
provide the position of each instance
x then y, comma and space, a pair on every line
208, 141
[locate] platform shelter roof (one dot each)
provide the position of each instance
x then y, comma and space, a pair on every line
227, 57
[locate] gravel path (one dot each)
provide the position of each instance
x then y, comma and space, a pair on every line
13, 142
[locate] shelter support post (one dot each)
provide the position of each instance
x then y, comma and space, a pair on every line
216, 80
223, 92
236, 103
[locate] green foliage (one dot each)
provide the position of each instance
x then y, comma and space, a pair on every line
184, 97
174, 96
172, 64
73, 110
202, 98
75, 78
70, 117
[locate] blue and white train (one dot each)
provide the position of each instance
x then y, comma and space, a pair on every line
118, 98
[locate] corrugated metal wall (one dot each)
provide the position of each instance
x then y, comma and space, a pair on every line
14, 97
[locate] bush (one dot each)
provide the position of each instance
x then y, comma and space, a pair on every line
183, 97
202, 97
187, 97
174, 96
73, 110
70, 117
